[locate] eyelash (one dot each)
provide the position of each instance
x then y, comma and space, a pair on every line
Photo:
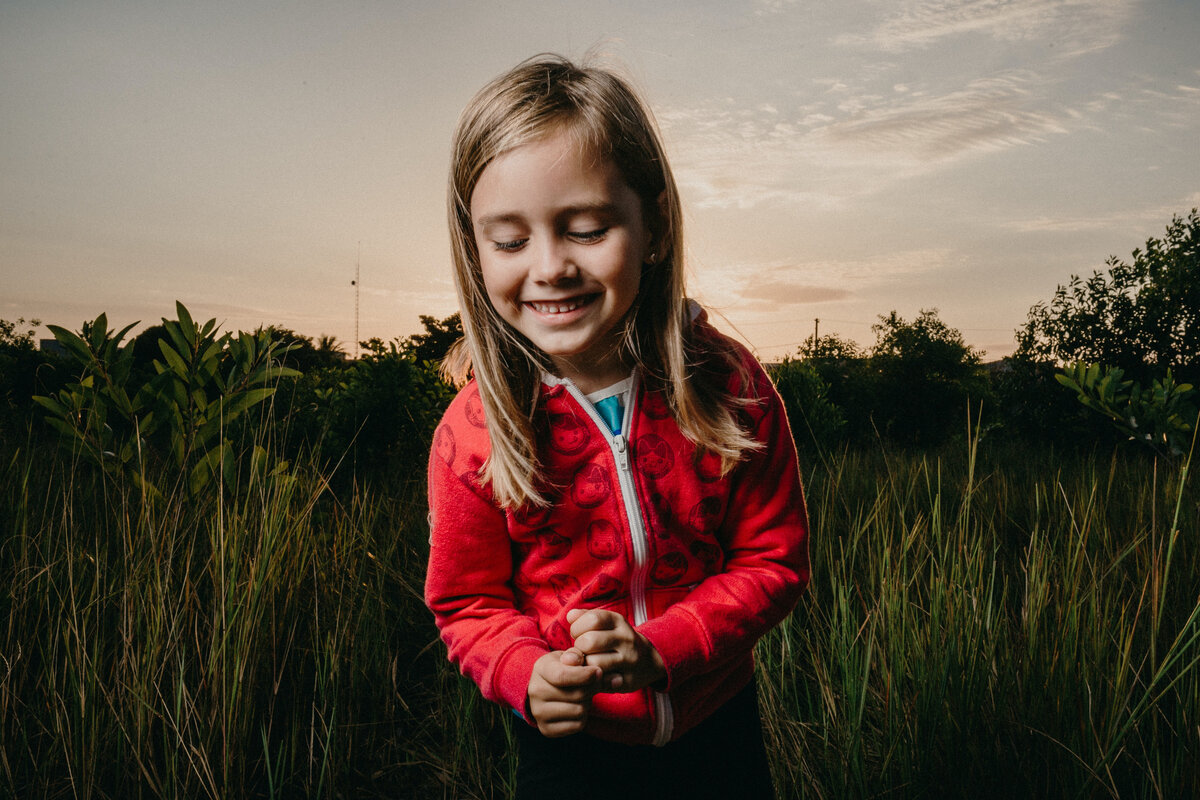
583, 237
588, 237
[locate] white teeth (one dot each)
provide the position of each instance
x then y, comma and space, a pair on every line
556, 308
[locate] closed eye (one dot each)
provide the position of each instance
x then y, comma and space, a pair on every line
587, 237
510, 246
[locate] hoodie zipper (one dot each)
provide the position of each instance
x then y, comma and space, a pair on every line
639, 539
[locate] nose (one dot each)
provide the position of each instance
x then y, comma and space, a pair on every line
553, 262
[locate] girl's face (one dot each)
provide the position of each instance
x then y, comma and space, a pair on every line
561, 242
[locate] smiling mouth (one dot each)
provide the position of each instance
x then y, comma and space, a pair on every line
561, 306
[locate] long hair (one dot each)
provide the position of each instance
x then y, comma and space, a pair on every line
541, 96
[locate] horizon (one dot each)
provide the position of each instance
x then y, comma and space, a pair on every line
835, 163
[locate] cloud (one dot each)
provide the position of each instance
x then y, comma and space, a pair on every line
989, 114
1176, 106
759, 288
844, 143
1074, 27
727, 156
764, 8
841, 137
784, 292
1132, 219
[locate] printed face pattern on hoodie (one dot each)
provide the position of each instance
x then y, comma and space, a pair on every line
568, 434
653, 456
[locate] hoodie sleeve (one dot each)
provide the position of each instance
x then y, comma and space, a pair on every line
468, 584
765, 540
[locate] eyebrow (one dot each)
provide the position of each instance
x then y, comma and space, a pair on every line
492, 219
569, 211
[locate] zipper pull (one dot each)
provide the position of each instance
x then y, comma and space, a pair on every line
622, 450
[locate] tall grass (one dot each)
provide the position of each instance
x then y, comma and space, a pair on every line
987, 622
268, 643
992, 623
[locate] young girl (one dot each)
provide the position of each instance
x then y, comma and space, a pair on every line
615, 503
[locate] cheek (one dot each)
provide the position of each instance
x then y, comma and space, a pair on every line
497, 283
625, 275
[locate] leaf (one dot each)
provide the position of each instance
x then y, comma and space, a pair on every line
148, 489
65, 428
99, 332
74, 345
182, 343
1067, 381
186, 326
174, 360
50, 404
251, 397
121, 334
201, 475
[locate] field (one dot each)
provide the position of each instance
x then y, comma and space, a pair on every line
986, 620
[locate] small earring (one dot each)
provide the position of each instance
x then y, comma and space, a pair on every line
653, 258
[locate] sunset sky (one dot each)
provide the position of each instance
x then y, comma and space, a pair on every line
837, 160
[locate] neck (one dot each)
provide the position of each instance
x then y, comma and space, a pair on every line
592, 377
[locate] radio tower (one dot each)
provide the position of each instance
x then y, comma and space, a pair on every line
355, 284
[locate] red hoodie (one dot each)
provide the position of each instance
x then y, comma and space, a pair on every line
639, 523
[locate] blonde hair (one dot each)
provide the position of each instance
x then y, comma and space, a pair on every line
544, 95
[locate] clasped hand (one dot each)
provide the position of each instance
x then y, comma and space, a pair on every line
608, 656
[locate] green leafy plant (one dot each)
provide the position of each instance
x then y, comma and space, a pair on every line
90, 411
24, 372
923, 379
1142, 315
1161, 416
815, 420
204, 384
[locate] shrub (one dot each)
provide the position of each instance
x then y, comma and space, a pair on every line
817, 424
185, 414
375, 416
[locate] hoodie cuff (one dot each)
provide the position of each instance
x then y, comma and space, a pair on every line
681, 642
511, 684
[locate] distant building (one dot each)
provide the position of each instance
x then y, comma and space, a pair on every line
51, 346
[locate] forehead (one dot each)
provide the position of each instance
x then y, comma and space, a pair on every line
590, 140
574, 139
554, 169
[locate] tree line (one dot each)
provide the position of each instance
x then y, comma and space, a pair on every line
1124, 342
1110, 356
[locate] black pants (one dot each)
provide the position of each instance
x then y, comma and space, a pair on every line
722, 757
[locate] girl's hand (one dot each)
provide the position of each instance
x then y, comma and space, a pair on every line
608, 641
560, 692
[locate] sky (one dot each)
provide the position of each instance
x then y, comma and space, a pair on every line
837, 161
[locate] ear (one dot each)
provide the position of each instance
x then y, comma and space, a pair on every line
658, 225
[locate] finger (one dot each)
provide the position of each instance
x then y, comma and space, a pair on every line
608, 664
565, 676
561, 728
558, 711
573, 657
595, 620
555, 719
607, 641
620, 681
558, 662
574, 614
550, 693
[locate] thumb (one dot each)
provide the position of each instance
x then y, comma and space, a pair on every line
573, 657
564, 675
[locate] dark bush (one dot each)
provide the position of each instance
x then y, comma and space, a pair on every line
817, 424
